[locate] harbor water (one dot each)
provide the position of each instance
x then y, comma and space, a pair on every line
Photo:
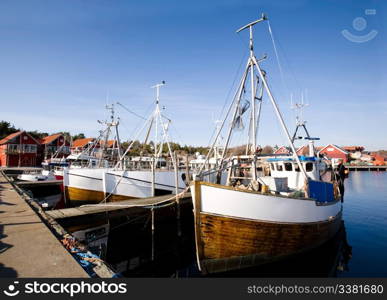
358, 250
365, 215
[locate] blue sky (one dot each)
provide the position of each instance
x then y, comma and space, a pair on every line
59, 59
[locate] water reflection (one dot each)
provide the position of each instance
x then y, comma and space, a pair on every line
176, 258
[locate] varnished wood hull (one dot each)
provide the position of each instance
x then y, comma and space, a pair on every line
77, 196
226, 243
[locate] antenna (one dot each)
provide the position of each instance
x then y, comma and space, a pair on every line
263, 18
157, 86
298, 108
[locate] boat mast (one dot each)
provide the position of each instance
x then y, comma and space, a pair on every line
253, 111
275, 106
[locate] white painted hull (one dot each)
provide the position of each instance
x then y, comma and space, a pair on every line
135, 184
220, 200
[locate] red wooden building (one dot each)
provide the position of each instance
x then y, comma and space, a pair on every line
55, 144
333, 151
80, 145
303, 150
282, 150
379, 160
19, 150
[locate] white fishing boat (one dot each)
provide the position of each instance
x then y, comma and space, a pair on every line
270, 207
36, 176
140, 177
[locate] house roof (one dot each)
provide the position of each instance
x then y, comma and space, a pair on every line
282, 149
50, 138
82, 142
301, 149
109, 144
334, 146
10, 137
16, 134
353, 148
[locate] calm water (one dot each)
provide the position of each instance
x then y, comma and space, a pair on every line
359, 250
365, 216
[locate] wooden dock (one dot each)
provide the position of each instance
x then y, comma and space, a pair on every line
115, 206
27, 247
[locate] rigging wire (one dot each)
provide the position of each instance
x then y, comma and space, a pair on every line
132, 112
138, 126
230, 90
288, 63
233, 82
277, 56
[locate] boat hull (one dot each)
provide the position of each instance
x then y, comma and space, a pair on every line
230, 243
240, 229
77, 196
89, 186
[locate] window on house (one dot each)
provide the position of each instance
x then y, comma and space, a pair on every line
309, 167
288, 167
13, 147
25, 137
29, 148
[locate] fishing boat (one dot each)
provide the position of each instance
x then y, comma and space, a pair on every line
271, 207
139, 177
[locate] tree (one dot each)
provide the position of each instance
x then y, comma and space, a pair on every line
267, 150
37, 135
6, 129
78, 136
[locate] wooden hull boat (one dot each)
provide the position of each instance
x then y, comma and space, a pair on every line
237, 229
257, 218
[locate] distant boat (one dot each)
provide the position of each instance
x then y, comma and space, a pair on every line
129, 178
270, 207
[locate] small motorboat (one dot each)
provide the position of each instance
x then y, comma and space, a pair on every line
35, 176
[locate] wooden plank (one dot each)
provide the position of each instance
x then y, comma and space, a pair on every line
39, 183
112, 206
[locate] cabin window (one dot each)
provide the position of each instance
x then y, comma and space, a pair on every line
279, 167
272, 166
309, 167
288, 166
297, 168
